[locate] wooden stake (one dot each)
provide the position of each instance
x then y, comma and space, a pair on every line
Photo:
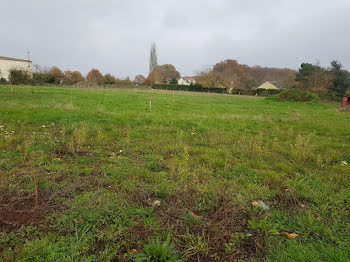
35, 186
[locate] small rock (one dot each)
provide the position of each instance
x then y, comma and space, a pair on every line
156, 203
344, 163
263, 205
254, 203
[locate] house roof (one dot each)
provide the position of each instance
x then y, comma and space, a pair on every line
188, 79
13, 59
270, 85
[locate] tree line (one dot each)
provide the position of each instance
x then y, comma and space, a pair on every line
311, 77
55, 76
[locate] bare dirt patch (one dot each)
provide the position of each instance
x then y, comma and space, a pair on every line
217, 224
20, 211
288, 199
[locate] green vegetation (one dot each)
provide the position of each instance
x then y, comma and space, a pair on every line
295, 95
118, 181
158, 251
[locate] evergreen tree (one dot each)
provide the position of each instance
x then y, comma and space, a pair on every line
173, 81
305, 72
341, 81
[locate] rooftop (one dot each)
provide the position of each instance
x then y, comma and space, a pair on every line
13, 59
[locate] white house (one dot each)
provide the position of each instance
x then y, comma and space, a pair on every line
7, 63
186, 81
269, 85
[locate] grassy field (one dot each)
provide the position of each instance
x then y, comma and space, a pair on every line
116, 179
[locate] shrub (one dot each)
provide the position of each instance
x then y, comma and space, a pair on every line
3, 81
123, 83
19, 77
296, 95
43, 78
241, 91
173, 81
108, 79
267, 92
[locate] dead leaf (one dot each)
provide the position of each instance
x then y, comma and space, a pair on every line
260, 246
80, 219
289, 236
193, 215
133, 251
303, 206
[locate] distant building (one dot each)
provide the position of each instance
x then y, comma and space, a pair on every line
186, 81
269, 85
7, 63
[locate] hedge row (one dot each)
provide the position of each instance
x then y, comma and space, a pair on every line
200, 88
260, 91
192, 88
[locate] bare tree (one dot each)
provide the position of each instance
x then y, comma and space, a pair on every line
153, 61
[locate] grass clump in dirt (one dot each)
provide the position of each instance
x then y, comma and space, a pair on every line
156, 250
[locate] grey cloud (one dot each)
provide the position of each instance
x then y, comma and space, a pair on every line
115, 36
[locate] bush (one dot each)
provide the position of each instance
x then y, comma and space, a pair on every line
3, 81
20, 77
241, 91
267, 92
40, 79
296, 95
330, 96
260, 91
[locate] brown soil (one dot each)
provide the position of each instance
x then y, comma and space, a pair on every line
288, 200
21, 211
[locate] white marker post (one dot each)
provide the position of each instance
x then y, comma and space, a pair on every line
150, 98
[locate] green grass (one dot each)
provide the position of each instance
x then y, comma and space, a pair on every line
102, 157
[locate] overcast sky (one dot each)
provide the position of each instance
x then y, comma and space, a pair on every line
115, 36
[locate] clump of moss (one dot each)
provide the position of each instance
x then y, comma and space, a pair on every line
296, 95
